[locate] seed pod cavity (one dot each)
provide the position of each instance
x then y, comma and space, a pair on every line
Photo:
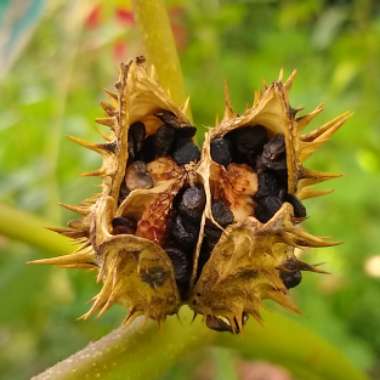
215, 228
254, 165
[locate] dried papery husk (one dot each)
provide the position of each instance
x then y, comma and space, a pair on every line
250, 260
134, 270
245, 265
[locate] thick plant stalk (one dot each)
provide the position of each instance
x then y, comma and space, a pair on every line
145, 351
286, 342
142, 350
21, 226
160, 46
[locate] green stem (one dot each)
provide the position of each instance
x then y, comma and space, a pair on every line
29, 229
140, 351
286, 342
160, 47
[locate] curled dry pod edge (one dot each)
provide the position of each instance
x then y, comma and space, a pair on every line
238, 258
132, 266
254, 258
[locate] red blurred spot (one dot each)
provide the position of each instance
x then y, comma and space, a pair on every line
94, 17
119, 50
125, 16
176, 15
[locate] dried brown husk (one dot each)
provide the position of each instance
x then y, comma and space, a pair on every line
244, 266
134, 271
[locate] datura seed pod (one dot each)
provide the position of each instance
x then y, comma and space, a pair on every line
214, 228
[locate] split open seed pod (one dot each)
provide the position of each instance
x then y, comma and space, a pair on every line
216, 228
253, 164
148, 159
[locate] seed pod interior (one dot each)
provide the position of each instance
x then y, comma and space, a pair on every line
254, 163
215, 228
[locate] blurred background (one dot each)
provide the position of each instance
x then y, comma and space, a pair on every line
56, 57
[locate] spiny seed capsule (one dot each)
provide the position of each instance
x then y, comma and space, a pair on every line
221, 151
155, 241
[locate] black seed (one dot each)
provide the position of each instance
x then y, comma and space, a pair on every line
221, 151
123, 225
186, 153
221, 213
212, 234
268, 184
282, 178
298, 207
267, 207
192, 203
170, 119
217, 324
164, 139
274, 155
211, 237
136, 136
291, 279
182, 268
137, 177
185, 235
154, 277
186, 132
147, 152
248, 143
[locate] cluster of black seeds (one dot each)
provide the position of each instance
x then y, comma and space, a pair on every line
170, 139
183, 234
174, 140
223, 216
266, 155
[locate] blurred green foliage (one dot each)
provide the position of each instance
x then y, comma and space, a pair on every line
53, 90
